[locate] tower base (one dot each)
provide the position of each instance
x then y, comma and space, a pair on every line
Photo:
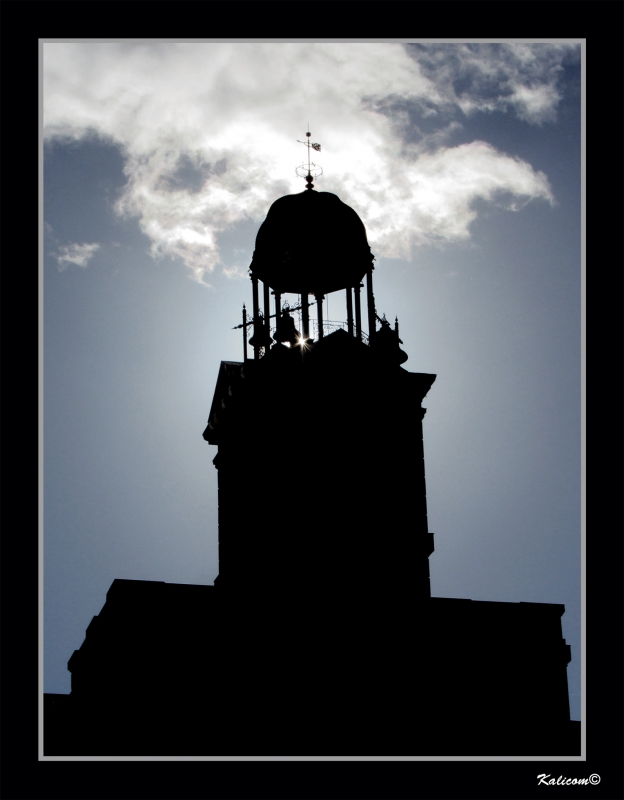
170, 669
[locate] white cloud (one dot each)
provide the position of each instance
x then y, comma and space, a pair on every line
434, 195
208, 132
497, 77
236, 271
79, 254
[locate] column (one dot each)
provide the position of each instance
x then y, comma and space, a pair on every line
319, 314
371, 306
256, 318
305, 317
349, 311
358, 312
267, 317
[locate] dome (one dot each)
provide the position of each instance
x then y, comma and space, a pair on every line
311, 242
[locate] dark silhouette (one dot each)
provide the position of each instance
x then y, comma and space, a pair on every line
320, 635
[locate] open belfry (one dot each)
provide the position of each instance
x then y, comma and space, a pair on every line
320, 635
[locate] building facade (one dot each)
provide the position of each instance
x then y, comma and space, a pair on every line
320, 635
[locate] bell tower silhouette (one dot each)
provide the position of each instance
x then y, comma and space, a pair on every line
320, 634
321, 467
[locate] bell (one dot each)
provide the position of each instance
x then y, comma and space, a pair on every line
263, 339
286, 331
387, 343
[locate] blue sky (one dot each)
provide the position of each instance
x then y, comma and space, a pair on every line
160, 162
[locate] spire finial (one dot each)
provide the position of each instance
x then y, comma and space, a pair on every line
312, 170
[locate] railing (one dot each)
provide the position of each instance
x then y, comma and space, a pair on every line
330, 326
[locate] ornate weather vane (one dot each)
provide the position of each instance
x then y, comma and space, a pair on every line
312, 170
